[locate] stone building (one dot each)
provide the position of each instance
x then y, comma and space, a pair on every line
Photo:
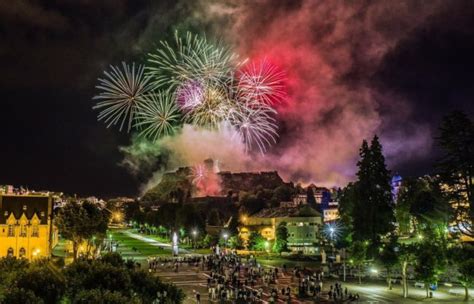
26, 226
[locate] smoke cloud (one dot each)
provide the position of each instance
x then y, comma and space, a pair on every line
329, 50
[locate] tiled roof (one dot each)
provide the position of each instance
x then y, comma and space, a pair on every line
16, 204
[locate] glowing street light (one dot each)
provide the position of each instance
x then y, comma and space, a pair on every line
194, 232
225, 235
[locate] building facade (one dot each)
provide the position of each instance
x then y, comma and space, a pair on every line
303, 225
26, 226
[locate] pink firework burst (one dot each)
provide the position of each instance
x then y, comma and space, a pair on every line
190, 95
261, 82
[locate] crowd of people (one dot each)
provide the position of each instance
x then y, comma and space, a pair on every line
234, 279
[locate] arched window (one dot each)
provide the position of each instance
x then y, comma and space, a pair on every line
22, 252
10, 252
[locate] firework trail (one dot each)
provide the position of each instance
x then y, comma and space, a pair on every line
122, 91
157, 116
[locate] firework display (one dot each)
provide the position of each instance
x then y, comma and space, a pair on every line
122, 91
193, 81
157, 115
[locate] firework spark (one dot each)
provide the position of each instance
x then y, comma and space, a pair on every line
191, 58
213, 110
256, 126
157, 116
122, 91
197, 82
198, 174
262, 82
190, 95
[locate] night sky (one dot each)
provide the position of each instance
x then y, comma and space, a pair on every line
53, 51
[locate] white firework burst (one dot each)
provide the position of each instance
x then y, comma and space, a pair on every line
256, 126
157, 116
122, 91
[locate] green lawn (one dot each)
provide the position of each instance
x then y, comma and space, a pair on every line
127, 245
276, 261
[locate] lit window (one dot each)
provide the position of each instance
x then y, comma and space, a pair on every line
23, 231
11, 230
24, 207
10, 252
22, 252
35, 231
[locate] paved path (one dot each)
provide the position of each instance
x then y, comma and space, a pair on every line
191, 280
151, 241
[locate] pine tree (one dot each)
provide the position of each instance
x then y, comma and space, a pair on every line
372, 215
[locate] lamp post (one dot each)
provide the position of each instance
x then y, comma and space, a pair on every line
194, 237
225, 240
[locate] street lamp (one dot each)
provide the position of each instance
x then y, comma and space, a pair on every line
194, 237
225, 235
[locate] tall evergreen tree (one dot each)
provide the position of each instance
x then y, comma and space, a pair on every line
372, 213
457, 166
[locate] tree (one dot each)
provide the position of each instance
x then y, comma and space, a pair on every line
457, 167
25, 282
44, 280
79, 222
389, 258
132, 212
256, 241
430, 263
214, 218
235, 242
101, 296
404, 202
406, 254
466, 275
281, 241
358, 254
113, 277
372, 207
310, 198
463, 260
283, 193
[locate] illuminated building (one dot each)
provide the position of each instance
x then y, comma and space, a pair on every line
26, 226
331, 213
396, 183
303, 226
